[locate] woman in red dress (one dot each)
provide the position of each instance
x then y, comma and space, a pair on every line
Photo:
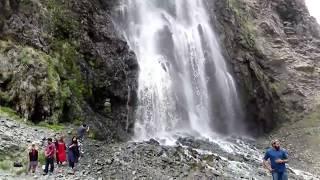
61, 150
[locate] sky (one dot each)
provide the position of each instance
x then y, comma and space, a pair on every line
314, 8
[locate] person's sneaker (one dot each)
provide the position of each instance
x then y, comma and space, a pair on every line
45, 174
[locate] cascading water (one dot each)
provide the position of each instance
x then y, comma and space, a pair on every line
184, 84
185, 88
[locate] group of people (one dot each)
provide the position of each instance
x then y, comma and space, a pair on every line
59, 151
274, 160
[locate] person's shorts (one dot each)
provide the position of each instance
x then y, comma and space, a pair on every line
33, 164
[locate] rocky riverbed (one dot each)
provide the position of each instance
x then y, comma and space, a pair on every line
187, 158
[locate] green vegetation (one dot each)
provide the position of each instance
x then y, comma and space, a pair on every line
9, 113
21, 170
246, 24
278, 87
53, 126
41, 158
92, 135
64, 24
7, 160
68, 69
5, 165
62, 83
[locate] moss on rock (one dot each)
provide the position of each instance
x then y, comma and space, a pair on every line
247, 34
33, 77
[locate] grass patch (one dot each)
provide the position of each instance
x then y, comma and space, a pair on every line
21, 170
41, 158
92, 134
53, 126
5, 165
9, 113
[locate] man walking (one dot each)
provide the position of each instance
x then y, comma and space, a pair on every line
278, 158
82, 130
49, 154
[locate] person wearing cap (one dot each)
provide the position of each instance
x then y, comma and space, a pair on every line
278, 158
33, 158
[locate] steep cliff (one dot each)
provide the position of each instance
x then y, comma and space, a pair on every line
63, 61
274, 50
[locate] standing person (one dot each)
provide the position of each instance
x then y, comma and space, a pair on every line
33, 158
82, 130
56, 143
278, 158
49, 157
61, 151
73, 153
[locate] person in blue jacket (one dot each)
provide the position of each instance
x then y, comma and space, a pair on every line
278, 158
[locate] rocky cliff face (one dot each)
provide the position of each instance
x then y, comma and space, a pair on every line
274, 50
64, 61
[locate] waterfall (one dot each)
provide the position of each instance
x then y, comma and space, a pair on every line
184, 83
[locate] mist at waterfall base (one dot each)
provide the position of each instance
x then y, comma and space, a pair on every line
184, 84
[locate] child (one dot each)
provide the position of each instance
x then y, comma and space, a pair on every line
33, 158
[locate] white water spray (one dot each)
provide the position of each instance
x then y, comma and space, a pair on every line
184, 84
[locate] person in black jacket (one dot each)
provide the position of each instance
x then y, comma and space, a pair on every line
33, 158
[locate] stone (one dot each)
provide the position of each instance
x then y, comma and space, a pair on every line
304, 68
289, 30
294, 41
109, 161
153, 142
17, 164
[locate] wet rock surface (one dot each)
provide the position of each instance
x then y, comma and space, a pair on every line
188, 158
273, 49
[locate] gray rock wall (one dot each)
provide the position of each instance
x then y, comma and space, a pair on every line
273, 49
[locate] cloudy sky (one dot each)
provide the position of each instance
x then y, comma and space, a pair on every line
314, 8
